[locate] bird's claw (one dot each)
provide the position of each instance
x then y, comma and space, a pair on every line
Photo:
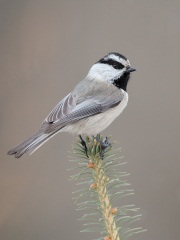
104, 145
83, 143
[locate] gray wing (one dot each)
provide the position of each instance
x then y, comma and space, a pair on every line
63, 108
82, 103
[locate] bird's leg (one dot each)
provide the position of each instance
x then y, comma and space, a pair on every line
104, 144
83, 143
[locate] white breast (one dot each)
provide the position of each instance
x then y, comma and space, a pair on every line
97, 123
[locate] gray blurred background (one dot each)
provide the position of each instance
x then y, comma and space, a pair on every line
46, 48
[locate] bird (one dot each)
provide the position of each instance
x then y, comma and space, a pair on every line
92, 106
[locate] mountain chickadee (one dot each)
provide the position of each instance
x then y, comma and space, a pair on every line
90, 108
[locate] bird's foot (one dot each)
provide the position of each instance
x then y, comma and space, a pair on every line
83, 143
104, 145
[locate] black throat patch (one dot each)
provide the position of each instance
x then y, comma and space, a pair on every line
122, 81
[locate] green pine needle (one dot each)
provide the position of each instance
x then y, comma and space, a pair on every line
103, 184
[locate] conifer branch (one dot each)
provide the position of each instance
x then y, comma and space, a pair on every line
104, 185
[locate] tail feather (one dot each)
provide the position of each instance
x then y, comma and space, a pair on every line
38, 144
30, 145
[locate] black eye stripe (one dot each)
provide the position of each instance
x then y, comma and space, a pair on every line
113, 63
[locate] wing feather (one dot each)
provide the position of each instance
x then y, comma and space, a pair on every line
80, 104
61, 109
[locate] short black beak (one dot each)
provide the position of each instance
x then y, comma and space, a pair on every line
130, 69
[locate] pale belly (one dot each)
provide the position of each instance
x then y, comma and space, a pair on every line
97, 123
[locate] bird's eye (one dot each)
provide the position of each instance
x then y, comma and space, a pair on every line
117, 65
113, 63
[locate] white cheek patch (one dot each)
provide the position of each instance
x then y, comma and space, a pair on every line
104, 72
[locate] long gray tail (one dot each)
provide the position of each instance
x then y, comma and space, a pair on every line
30, 145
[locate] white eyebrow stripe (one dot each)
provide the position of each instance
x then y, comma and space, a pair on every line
126, 63
113, 57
